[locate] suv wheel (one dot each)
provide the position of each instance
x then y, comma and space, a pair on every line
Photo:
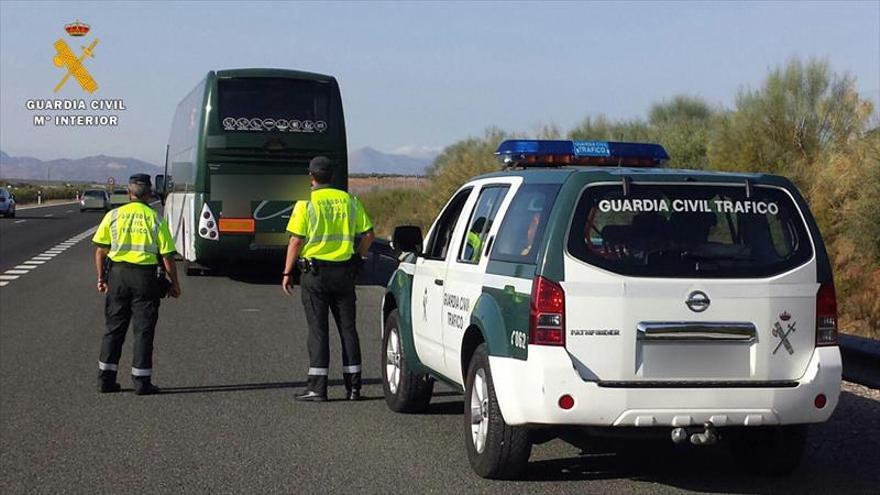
773, 450
404, 391
11, 213
495, 449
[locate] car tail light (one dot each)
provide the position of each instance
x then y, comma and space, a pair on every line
547, 313
826, 315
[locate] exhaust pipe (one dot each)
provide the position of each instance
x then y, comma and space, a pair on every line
708, 436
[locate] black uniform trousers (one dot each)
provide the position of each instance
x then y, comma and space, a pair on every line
132, 297
330, 287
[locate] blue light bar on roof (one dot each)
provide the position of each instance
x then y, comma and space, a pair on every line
524, 152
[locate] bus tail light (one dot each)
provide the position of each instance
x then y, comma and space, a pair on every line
547, 313
237, 225
208, 224
826, 315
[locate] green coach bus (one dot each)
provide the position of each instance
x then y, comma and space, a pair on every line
237, 161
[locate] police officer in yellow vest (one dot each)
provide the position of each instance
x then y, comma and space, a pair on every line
134, 237
323, 232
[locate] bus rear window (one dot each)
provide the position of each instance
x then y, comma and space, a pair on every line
689, 231
265, 104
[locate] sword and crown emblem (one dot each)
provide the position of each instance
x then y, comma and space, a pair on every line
65, 57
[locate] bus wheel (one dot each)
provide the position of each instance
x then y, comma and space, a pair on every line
196, 270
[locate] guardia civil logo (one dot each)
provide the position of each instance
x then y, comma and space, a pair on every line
74, 66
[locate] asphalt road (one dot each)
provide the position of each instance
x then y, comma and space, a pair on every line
34, 230
230, 356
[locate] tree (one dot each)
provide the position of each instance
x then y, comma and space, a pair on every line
802, 110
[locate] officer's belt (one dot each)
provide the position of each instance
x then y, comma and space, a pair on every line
125, 264
317, 262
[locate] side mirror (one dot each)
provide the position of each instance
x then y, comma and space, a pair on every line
159, 187
407, 238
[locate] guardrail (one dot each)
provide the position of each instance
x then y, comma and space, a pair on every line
861, 360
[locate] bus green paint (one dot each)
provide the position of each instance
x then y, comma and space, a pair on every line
237, 171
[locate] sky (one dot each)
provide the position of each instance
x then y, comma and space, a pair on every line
418, 76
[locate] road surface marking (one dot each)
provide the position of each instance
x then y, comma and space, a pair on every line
20, 221
42, 258
68, 211
48, 215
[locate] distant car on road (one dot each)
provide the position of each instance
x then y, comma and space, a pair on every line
118, 197
7, 203
95, 199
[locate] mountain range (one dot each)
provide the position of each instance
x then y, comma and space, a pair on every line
98, 168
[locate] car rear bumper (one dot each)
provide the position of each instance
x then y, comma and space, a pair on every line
528, 393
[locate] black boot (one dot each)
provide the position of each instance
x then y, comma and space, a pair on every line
143, 385
316, 390
352, 385
107, 382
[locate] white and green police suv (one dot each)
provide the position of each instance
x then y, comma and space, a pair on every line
584, 288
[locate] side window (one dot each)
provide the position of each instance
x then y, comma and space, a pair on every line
438, 244
481, 221
523, 228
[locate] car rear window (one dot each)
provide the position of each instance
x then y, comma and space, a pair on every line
689, 231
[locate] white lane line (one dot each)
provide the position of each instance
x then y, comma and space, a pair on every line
68, 211
20, 221
47, 215
42, 258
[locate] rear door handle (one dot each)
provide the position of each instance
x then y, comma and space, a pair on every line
438, 281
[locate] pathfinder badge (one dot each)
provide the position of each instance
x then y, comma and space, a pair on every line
783, 334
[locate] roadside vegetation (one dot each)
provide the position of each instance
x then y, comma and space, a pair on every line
26, 193
804, 122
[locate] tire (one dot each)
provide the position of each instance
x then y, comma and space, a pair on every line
405, 392
11, 213
196, 270
495, 449
770, 450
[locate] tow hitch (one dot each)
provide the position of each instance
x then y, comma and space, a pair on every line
706, 437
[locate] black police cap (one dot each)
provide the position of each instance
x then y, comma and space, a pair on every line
321, 165
139, 179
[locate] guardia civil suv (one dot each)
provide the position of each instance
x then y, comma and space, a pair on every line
585, 288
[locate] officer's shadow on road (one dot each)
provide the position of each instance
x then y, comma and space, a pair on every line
840, 458
244, 387
377, 271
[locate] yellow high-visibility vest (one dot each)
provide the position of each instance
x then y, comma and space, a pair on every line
135, 234
328, 222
